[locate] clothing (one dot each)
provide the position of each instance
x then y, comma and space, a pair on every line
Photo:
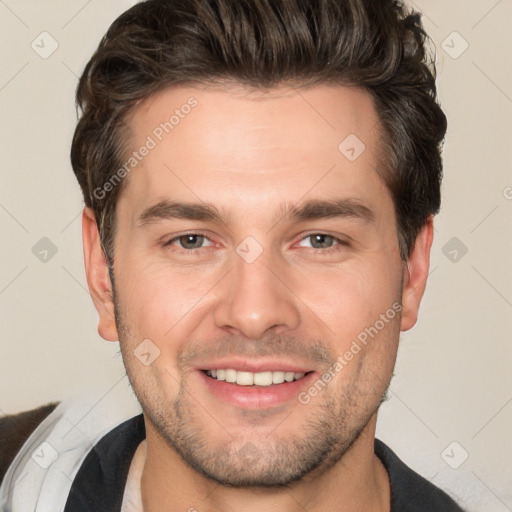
90, 473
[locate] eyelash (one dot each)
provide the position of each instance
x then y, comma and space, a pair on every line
334, 248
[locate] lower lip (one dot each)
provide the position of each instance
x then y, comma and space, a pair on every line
256, 397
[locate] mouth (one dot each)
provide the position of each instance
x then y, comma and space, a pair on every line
256, 390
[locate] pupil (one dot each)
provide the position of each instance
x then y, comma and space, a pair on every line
191, 241
321, 241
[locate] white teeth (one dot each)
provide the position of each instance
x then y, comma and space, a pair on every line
288, 376
244, 378
263, 379
230, 375
256, 379
277, 377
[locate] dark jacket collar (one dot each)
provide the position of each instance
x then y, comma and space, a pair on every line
101, 479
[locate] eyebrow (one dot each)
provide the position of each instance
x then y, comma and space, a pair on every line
309, 210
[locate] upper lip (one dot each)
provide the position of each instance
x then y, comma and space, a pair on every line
254, 366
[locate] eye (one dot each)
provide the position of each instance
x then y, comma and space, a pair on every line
189, 241
322, 242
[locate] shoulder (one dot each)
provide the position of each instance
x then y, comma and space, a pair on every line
31, 482
410, 491
15, 429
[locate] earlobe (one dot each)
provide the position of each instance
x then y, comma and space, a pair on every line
98, 278
415, 275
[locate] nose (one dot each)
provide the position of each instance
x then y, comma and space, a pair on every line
255, 298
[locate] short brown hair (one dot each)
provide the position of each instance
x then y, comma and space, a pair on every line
376, 45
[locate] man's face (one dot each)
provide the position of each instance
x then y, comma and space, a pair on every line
247, 240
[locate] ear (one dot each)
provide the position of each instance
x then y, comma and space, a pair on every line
415, 275
98, 279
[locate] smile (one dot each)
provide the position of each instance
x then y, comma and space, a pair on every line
265, 378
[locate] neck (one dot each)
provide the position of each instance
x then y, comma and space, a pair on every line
358, 482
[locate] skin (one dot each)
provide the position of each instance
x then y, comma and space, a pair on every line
247, 153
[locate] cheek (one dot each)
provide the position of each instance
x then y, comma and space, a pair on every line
351, 297
155, 303
158, 299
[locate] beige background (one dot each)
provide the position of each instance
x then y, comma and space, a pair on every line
454, 375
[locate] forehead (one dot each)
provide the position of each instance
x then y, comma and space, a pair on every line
235, 145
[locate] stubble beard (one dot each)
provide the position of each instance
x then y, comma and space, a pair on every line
250, 461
